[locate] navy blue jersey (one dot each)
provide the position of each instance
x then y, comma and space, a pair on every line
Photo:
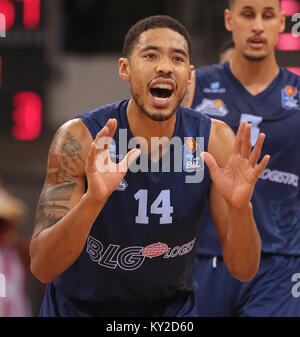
141, 247
275, 112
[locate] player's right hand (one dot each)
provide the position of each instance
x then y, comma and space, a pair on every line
104, 176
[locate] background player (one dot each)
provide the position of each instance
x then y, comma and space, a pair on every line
113, 246
252, 87
226, 51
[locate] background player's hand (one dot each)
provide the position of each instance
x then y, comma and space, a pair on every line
103, 175
236, 181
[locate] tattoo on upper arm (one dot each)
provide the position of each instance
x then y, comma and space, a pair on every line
62, 166
61, 192
64, 163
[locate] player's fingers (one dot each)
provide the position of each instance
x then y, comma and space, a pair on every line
104, 137
103, 163
261, 166
256, 152
246, 142
238, 138
210, 162
112, 126
128, 160
108, 130
90, 162
102, 133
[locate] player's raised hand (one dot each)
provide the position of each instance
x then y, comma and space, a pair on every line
103, 175
236, 181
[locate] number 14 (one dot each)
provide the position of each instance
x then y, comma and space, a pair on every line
161, 205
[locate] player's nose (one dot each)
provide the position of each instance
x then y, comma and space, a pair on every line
164, 65
258, 25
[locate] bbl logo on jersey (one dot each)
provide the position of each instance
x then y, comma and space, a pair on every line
214, 107
215, 88
191, 155
290, 98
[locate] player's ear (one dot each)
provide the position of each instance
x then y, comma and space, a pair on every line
228, 20
282, 22
191, 74
124, 69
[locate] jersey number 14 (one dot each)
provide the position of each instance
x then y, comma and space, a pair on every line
161, 205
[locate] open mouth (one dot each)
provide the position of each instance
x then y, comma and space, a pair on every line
257, 42
162, 92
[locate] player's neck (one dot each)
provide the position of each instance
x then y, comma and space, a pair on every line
142, 126
254, 76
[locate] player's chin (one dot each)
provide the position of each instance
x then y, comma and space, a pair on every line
255, 56
162, 109
161, 115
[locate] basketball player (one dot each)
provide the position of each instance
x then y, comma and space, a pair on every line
254, 88
226, 51
108, 244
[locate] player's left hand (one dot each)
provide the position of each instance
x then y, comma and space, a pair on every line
236, 181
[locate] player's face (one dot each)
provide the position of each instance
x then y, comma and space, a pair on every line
255, 25
158, 71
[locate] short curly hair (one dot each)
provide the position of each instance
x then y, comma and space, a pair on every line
152, 22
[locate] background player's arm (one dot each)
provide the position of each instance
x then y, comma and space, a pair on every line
234, 174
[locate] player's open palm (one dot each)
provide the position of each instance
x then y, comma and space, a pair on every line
236, 181
103, 175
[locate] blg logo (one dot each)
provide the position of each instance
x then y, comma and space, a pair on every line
2, 25
296, 27
296, 287
2, 285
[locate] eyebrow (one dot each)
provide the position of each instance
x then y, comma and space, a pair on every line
176, 50
268, 8
180, 51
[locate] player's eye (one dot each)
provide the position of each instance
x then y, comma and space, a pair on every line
150, 56
268, 15
178, 59
248, 14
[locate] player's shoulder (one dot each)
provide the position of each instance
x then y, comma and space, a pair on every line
221, 129
105, 112
190, 115
96, 119
222, 138
83, 128
291, 78
194, 121
210, 72
71, 140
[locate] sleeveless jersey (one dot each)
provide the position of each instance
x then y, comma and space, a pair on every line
141, 248
275, 112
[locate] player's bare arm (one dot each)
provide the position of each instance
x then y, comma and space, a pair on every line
64, 182
66, 211
234, 169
